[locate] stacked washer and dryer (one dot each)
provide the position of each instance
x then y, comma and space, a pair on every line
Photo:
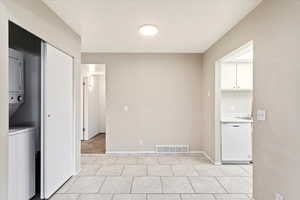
21, 139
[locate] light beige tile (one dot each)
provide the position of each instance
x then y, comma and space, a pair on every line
170, 160
127, 161
160, 170
231, 197
208, 170
95, 197
148, 160
192, 160
146, 185
65, 197
110, 170
197, 197
184, 170
248, 169
163, 197
105, 160
232, 170
68, 184
116, 185
86, 160
86, 184
206, 185
130, 197
89, 170
176, 185
134, 170
236, 184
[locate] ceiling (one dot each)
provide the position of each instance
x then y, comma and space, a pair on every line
185, 26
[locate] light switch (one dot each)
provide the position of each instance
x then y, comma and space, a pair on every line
125, 108
261, 115
278, 197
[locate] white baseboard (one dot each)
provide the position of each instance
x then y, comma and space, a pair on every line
151, 152
129, 152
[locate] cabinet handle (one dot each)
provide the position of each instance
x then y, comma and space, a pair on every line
235, 126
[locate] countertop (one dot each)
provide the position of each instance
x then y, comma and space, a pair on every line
235, 120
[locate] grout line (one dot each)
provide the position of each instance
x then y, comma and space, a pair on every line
132, 180
216, 178
173, 173
161, 184
189, 179
102, 184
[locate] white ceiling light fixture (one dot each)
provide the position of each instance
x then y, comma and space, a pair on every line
148, 30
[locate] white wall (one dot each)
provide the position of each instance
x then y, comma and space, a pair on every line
38, 19
236, 102
274, 28
93, 98
163, 96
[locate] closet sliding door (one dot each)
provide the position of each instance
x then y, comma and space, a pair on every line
58, 133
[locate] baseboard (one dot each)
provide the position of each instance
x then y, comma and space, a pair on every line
130, 152
151, 152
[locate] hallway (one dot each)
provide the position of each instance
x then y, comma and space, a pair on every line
95, 145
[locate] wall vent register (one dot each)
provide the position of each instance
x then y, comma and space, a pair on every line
183, 148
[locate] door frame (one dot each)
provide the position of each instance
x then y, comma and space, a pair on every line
217, 101
4, 122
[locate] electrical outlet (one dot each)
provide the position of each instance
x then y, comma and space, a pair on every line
279, 196
141, 142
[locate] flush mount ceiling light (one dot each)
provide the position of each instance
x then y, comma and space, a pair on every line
148, 30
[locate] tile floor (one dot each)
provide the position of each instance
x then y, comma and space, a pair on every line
156, 177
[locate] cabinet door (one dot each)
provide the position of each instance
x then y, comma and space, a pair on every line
228, 76
245, 76
26, 165
12, 168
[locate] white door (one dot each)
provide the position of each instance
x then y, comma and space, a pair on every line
228, 76
58, 133
245, 76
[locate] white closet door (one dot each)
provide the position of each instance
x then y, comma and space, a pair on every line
58, 136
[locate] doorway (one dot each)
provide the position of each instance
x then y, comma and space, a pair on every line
93, 138
233, 103
233, 109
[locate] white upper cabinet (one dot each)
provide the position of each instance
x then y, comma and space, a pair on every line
236, 76
228, 76
244, 76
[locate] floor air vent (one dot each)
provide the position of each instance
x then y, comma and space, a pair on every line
172, 148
